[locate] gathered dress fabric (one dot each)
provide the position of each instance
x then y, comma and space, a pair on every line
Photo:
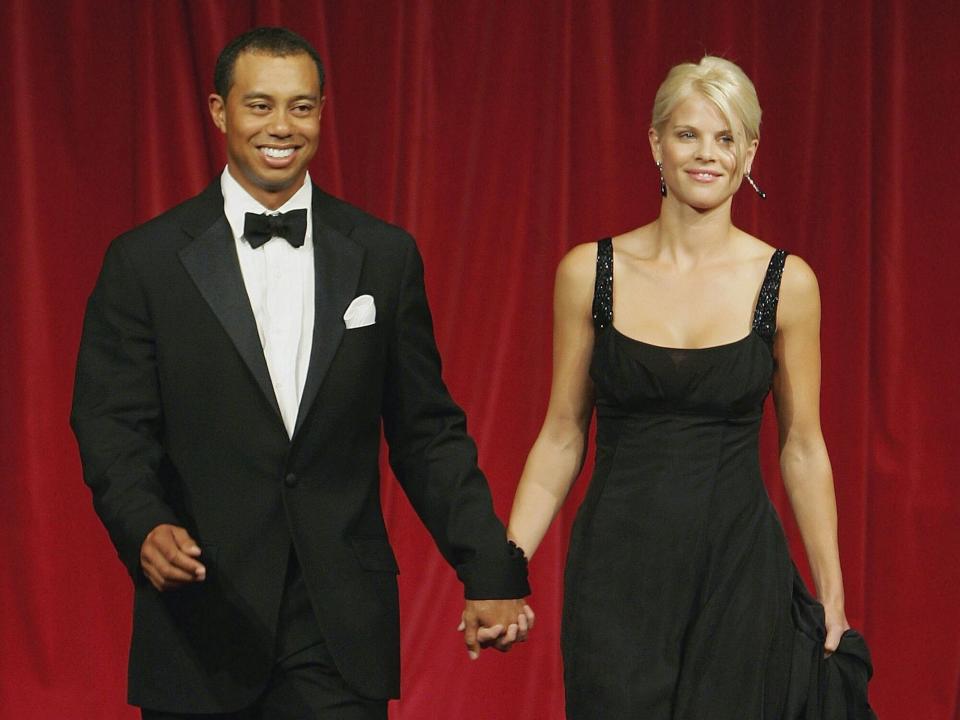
681, 600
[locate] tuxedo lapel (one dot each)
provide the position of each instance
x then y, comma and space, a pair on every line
337, 264
211, 261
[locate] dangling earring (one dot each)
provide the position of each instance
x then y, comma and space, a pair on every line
753, 184
663, 185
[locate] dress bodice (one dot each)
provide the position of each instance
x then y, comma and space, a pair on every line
725, 381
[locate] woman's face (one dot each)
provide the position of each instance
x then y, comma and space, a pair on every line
699, 154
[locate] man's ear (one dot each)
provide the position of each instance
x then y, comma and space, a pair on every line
218, 111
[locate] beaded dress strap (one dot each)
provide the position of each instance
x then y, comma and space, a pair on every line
765, 316
603, 286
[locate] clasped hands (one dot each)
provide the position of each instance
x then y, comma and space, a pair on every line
494, 623
170, 558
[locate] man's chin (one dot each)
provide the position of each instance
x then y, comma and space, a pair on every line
275, 185
278, 184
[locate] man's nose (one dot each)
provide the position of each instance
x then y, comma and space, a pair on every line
279, 123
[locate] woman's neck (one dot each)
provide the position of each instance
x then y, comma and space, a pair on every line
687, 237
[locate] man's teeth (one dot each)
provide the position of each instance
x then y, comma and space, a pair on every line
277, 152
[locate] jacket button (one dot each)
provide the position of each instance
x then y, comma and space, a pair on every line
290, 480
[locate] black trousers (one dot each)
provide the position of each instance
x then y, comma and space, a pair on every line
305, 684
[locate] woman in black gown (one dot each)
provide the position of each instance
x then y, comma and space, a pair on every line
679, 590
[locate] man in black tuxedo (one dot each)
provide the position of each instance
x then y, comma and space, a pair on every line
233, 374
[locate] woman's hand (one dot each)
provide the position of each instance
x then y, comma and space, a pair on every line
837, 625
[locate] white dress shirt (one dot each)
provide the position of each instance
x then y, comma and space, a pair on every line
279, 279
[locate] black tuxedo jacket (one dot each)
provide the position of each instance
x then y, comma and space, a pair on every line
177, 422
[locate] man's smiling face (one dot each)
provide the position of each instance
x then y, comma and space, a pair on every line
271, 117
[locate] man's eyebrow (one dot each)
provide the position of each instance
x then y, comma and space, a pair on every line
257, 95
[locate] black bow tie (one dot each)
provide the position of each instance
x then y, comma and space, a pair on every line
291, 226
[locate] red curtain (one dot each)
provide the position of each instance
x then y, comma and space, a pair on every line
501, 134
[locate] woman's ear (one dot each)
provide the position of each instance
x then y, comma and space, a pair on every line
654, 138
749, 155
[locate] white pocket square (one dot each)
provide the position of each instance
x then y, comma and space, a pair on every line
362, 312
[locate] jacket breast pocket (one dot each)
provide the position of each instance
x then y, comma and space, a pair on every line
374, 553
366, 333
358, 368
362, 345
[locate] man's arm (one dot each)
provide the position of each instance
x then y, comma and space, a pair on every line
117, 420
436, 463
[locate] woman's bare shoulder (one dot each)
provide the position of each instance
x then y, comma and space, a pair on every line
798, 274
579, 264
799, 291
636, 244
753, 249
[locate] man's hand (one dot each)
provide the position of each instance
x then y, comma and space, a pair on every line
497, 623
168, 558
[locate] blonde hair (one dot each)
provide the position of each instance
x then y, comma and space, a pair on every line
720, 81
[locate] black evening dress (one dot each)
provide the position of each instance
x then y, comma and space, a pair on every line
680, 594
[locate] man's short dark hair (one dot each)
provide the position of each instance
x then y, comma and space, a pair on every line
274, 41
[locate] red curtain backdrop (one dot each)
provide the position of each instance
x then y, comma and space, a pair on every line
501, 134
